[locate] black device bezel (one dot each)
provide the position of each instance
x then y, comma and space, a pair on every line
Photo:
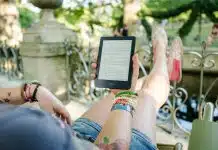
111, 84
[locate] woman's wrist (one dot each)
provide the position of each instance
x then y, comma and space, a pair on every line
111, 94
125, 101
30, 91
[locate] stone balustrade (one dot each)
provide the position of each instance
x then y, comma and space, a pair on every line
43, 53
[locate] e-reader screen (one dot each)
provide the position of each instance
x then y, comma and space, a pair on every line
115, 60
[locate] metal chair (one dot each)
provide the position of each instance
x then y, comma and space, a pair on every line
204, 132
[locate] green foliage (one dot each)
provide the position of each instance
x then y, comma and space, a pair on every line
117, 17
167, 9
26, 17
100, 14
191, 39
162, 9
77, 15
147, 27
73, 16
187, 26
164, 5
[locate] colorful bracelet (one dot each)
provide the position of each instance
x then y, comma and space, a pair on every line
26, 93
121, 101
130, 93
127, 108
28, 97
35, 91
126, 95
126, 100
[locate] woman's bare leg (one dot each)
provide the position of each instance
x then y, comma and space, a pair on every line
154, 93
155, 90
99, 112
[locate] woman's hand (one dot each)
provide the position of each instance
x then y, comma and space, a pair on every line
51, 104
134, 75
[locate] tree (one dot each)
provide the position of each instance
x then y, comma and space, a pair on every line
131, 8
26, 17
91, 14
175, 8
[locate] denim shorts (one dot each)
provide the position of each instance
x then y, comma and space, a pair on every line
89, 130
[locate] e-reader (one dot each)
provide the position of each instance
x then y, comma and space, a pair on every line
114, 65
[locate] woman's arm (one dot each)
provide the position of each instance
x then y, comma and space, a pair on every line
116, 132
12, 95
15, 95
47, 101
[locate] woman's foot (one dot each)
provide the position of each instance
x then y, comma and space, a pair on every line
175, 60
140, 83
156, 84
159, 42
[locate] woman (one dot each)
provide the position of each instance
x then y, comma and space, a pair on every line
121, 120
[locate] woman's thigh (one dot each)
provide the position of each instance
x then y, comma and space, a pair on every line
89, 130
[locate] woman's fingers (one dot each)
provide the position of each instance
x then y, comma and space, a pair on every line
94, 65
135, 74
64, 113
93, 75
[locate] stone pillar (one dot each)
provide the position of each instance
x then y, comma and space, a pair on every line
42, 50
10, 31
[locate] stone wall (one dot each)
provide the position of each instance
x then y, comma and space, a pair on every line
50, 71
44, 56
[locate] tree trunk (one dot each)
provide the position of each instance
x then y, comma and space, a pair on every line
10, 31
131, 8
131, 19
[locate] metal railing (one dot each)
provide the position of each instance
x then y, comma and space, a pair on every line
80, 84
201, 60
10, 62
178, 95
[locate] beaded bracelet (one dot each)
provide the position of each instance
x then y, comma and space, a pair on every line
26, 93
35, 91
129, 96
130, 93
28, 97
127, 108
120, 101
126, 100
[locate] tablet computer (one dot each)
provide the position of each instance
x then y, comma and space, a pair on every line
114, 65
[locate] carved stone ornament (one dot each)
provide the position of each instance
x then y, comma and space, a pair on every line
47, 4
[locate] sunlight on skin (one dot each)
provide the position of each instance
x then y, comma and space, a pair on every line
76, 109
60, 91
